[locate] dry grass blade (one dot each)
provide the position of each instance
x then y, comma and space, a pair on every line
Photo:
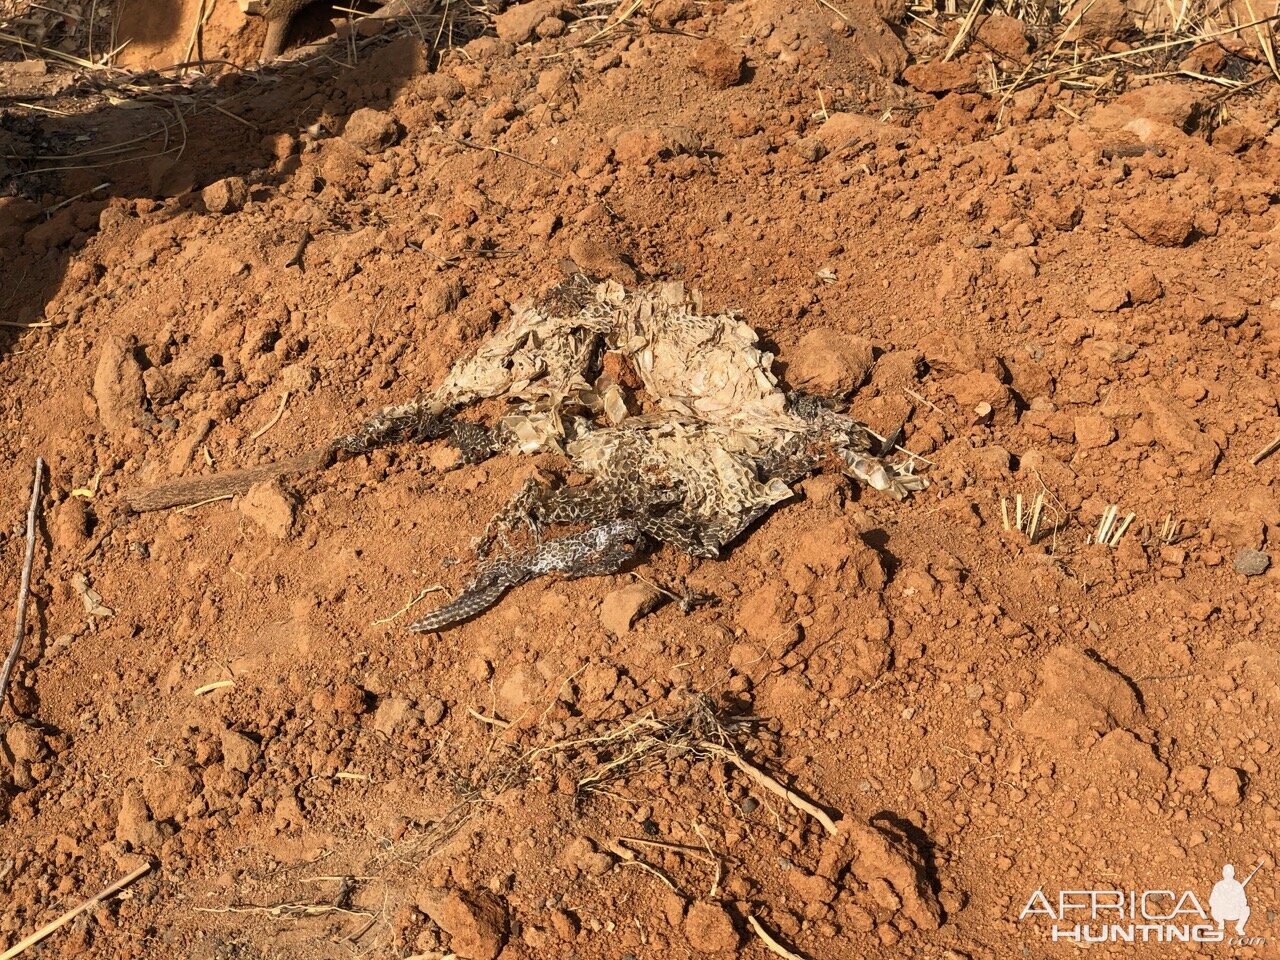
966, 26
1132, 56
24, 586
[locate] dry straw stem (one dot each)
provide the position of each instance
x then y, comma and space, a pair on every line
407, 607
24, 586
1076, 67
1109, 530
74, 912
1028, 522
210, 687
774, 787
965, 26
284, 400
286, 911
772, 945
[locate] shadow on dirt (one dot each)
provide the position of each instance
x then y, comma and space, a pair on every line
157, 141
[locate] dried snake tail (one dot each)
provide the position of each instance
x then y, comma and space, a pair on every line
473, 601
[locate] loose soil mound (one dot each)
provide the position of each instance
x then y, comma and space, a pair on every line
1060, 293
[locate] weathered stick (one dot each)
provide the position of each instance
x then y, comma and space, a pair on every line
182, 493
1266, 451
767, 938
776, 788
24, 588
74, 912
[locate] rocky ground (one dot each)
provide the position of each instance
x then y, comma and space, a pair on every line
1067, 294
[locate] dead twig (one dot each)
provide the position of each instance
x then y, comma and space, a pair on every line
774, 787
74, 912
1266, 451
472, 145
24, 587
772, 945
183, 493
296, 259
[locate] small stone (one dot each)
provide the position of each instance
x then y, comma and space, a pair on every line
709, 929
477, 923
647, 145
1145, 287
225, 196
1226, 786
69, 528
1251, 563
349, 698
1107, 299
923, 779
811, 149
134, 825
519, 23
272, 508
1098, 20
1007, 36
440, 297
1161, 224
25, 743
625, 606
551, 27
1019, 263
118, 386
390, 715
971, 390
829, 363
433, 711
1191, 778
600, 260
667, 13
370, 130
239, 752
596, 864
1093, 431
720, 63
939, 77
811, 888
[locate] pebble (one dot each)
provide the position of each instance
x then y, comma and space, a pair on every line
25, 743
349, 698
710, 929
118, 387
1251, 563
923, 779
623, 607
720, 63
225, 196
371, 130
477, 923
600, 260
1226, 786
239, 752
829, 363
1160, 224
272, 508
519, 23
